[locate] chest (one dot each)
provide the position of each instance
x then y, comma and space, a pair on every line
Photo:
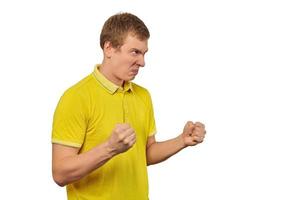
107, 111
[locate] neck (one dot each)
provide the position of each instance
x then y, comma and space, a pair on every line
105, 69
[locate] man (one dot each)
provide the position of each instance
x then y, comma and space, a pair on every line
104, 129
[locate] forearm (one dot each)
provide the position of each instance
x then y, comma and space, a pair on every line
75, 167
160, 151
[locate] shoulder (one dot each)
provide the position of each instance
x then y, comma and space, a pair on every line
140, 90
81, 87
79, 91
143, 94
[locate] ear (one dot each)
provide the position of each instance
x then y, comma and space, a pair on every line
107, 49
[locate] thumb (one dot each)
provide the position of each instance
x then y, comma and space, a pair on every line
188, 128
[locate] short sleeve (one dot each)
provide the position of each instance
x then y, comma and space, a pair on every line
151, 118
69, 121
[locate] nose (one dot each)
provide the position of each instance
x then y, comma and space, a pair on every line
141, 61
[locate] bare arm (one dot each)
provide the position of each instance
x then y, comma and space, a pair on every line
161, 151
157, 152
69, 166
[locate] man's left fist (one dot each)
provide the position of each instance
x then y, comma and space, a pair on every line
193, 133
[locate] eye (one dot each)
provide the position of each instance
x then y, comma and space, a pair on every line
135, 52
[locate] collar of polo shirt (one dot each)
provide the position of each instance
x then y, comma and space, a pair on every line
107, 84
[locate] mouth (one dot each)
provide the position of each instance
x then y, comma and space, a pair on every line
135, 72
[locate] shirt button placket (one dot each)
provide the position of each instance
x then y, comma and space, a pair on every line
126, 112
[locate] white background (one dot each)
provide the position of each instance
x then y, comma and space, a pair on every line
230, 64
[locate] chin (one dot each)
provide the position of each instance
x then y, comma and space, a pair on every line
129, 78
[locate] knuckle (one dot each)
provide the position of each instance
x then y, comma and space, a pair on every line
117, 130
125, 141
132, 130
120, 137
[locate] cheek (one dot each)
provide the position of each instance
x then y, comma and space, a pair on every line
123, 68
124, 60
127, 63
122, 64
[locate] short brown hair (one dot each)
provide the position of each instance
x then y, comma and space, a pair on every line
117, 27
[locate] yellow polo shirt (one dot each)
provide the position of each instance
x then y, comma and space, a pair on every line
85, 116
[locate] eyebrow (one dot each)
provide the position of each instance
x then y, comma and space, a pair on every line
139, 51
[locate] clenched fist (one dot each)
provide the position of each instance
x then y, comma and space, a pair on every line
122, 138
193, 133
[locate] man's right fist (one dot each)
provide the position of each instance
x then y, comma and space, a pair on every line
122, 138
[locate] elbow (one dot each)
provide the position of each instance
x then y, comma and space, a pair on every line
148, 163
63, 178
150, 160
58, 179
59, 183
